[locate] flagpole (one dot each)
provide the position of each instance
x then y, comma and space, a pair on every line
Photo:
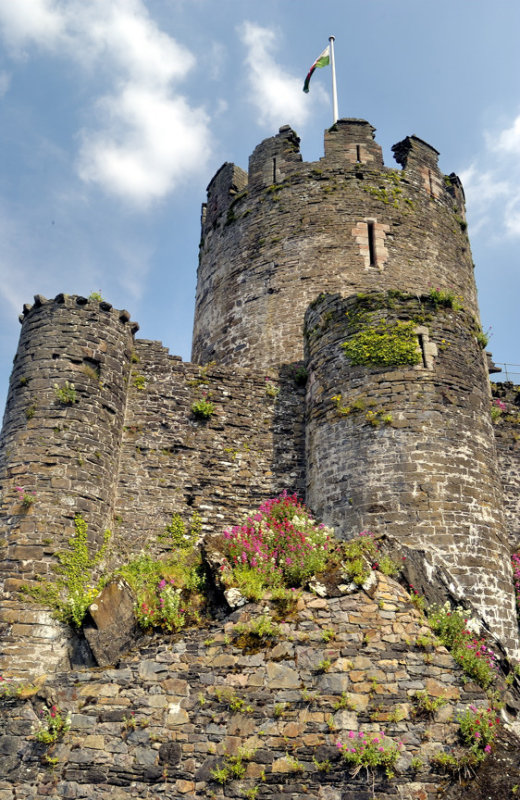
334, 89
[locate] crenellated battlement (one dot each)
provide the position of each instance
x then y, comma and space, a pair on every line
345, 223
78, 301
350, 147
352, 141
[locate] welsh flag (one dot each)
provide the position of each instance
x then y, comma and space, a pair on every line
322, 61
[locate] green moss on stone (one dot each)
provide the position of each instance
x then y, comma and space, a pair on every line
384, 344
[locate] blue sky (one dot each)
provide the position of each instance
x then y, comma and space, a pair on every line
115, 114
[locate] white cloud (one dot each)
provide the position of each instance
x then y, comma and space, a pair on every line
148, 137
149, 141
25, 22
277, 96
483, 187
508, 141
512, 216
493, 192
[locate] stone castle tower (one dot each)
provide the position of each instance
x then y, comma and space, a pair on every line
290, 234
302, 265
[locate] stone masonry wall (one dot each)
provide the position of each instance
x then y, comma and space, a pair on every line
160, 722
67, 454
343, 224
251, 448
405, 451
409, 450
507, 437
126, 455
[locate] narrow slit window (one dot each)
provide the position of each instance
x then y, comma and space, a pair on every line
371, 244
420, 336
430, 182
274, 169
358, 154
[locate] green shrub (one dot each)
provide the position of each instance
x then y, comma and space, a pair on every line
53, 724
75, 589
31, 411
139, 381
270, 389
203, 409
424, 704
232, 768
300, 375
445, 298
477, 660
478, 729
169, 590
258, 631
66, 394
176, 534
482, 339
27, 499
358, 553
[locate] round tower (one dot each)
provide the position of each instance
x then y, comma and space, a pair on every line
400, 440
59, 448
273, 239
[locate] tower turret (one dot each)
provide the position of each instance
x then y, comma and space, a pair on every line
343, 224
60, 445
400, 439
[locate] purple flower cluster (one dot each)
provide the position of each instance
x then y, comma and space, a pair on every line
478, 728
370, 750
163, 609
281, 542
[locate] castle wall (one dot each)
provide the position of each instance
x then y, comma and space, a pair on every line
126, 455
66, 454
251, 448
507, 436
343, 224
160, 723
409, 450
405, 450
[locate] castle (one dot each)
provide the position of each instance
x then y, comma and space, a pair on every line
306, 269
